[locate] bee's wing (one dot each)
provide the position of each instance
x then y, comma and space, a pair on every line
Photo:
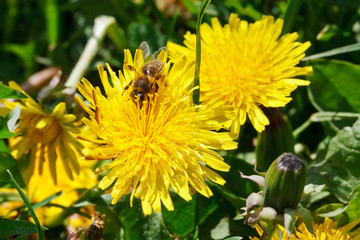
161, 54
144, 47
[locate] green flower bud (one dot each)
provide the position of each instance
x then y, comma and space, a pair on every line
276, 139
284, 182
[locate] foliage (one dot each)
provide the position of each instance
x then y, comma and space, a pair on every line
42, 41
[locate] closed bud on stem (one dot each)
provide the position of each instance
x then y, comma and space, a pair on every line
284, 182
276, 139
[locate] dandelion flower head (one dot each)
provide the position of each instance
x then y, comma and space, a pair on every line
157, 143
48, 137
246, 66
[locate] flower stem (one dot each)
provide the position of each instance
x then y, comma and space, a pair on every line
196, 93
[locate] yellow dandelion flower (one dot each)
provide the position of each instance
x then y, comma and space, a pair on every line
326, 230
157, 142
47, 137
246, 66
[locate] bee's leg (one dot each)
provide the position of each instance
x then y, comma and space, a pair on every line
156, 87
128, 85
131, 68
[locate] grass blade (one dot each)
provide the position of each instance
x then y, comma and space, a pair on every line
29, 207
335, 51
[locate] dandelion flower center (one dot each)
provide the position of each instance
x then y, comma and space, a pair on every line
44, 134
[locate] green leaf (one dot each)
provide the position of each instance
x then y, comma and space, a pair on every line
236, 201
181, 221
337, 163
221, 230
39, 229
290, 15
4, 130
206, 206
13, 227
354, 205
47, 200
135, 224
8, 162
331, 210
335, 85
6, 93
9, 123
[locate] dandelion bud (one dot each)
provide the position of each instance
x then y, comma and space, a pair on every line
284, 182
276, 139
95, 230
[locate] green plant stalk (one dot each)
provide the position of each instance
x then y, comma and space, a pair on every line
28, 205
324, 117
101, 26
290, 14
196, 93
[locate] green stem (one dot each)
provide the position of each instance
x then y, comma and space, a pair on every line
28, 205
301, 128
196, 93
101, 26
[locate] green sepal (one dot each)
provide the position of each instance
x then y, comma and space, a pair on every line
289, 220
305, 215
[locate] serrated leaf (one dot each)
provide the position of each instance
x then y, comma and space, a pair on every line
334, 86
337, 163
10, 227
9, 93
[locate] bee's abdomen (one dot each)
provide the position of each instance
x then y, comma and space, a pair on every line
153, 67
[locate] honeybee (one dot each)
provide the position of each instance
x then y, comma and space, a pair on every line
146, 81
